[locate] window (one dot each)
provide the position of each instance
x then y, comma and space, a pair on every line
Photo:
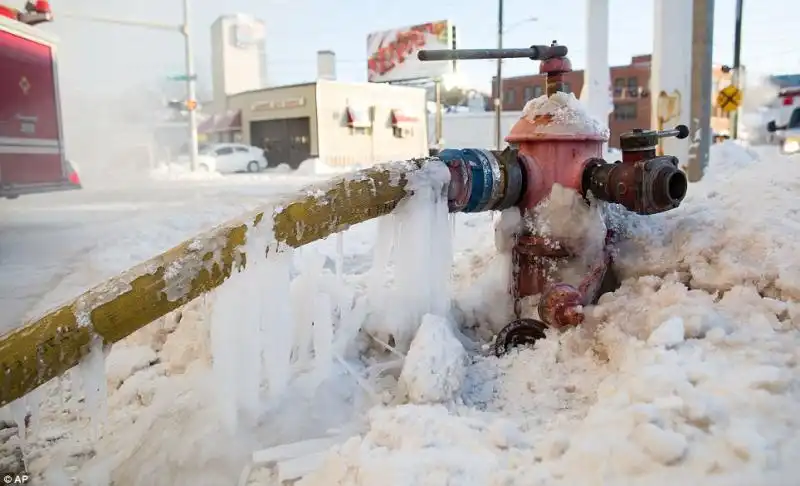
619, 87
538, 91
794, 120
529, 93
509, 96
633, 87
242, 149
224, 151
625, 111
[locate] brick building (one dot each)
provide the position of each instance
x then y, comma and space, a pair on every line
631, 91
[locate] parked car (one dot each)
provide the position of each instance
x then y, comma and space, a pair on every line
787, 136
228, 158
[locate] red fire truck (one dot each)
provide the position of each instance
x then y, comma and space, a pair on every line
32, 157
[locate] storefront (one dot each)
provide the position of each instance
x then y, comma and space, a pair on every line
222, 127
343, 125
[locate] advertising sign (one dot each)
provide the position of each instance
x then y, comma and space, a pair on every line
392, 54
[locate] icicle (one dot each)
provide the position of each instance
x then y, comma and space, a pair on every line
35, 399
249, 343
340, 256
236, 331
64, 388
276, 325
381, 259
93, 376
19, 410
353, 315
223, 333
304, 289
323, 338
441, 256
423, 255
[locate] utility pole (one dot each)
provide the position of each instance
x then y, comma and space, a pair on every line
700, 105
437, 86
191, 85
737, 57
498, 100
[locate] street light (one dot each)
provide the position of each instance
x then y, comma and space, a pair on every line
498, 99
191, 76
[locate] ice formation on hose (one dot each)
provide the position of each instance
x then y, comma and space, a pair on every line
416, 243
567, 115
251, 327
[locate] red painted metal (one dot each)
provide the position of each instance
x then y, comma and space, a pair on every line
552, 158
30, 145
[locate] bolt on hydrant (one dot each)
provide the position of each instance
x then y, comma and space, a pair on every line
542, 154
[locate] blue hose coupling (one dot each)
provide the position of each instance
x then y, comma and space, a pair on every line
483, 180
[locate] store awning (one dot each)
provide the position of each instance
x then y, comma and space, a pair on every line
358, 117
230, 121
399, 118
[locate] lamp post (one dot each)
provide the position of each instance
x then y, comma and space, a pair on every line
498, 98
190, 75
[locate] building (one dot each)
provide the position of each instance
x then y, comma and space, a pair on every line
238, 57
344, 125
631, 93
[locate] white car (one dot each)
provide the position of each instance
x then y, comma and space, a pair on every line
228, 158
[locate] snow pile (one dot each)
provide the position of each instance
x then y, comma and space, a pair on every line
727, 157
434, 368
686, 374
564, 115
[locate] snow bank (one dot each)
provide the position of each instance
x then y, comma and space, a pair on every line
689, 376
566, 115
687, 373
727, 157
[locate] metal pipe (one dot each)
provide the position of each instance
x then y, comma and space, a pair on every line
438, 92
700, 105
498, 101
536, 53
737, 57
191, 85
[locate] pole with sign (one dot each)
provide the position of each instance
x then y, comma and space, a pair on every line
729, 99
191, 87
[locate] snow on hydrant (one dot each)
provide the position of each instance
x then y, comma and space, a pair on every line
550, 183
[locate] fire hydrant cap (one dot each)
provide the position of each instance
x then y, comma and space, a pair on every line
557, 117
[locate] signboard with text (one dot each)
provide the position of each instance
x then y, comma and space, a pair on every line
392, 54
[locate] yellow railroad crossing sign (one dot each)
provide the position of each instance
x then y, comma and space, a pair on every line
729, 98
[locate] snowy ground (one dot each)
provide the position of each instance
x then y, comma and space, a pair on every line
686, 374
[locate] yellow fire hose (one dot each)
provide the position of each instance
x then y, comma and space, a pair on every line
47, 347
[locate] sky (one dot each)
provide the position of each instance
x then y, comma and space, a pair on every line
101, 58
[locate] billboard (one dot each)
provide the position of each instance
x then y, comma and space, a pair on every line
392, 54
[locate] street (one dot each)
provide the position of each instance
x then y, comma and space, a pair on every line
55, 246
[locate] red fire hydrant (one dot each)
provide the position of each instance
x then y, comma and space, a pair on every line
544, 152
